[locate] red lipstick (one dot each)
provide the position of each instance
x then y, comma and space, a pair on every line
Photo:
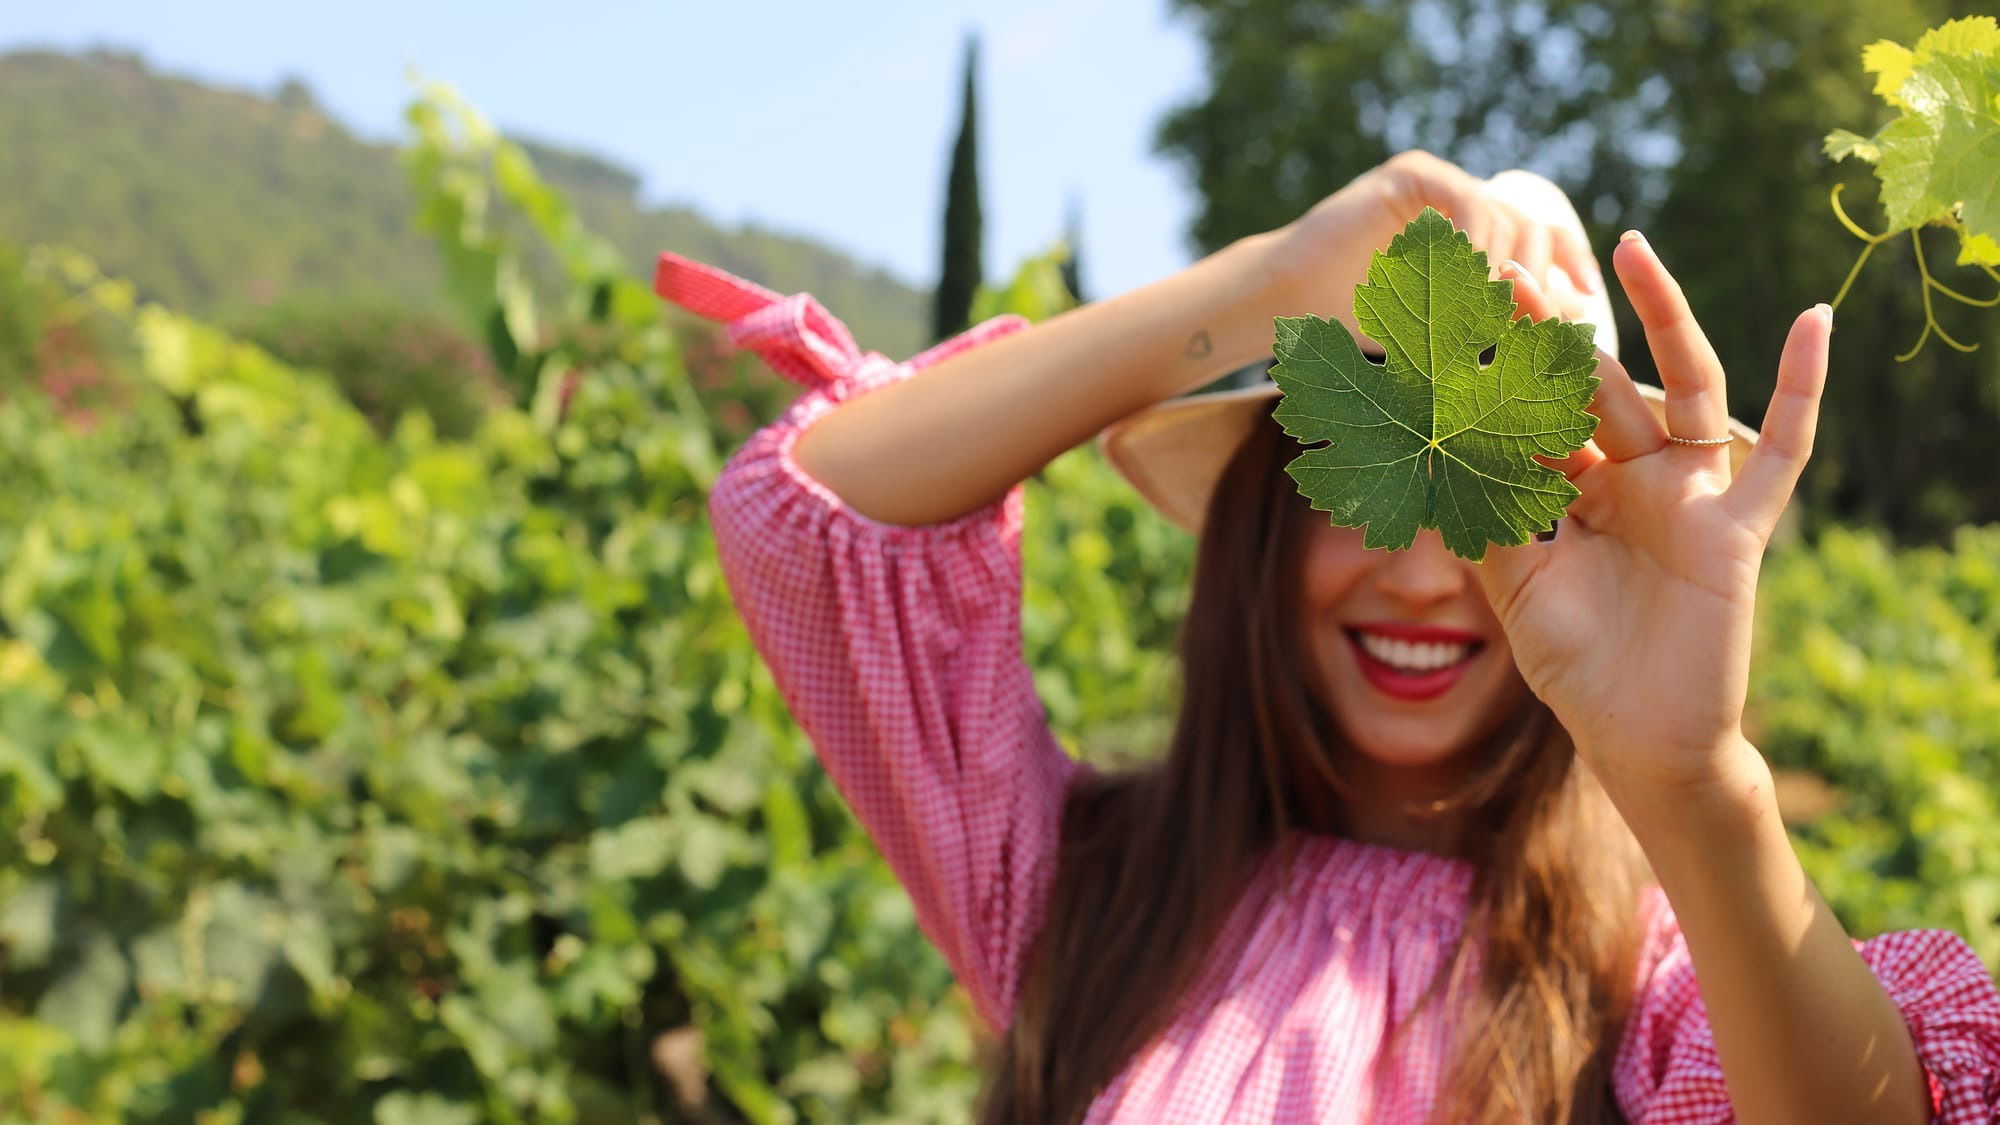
1407, 683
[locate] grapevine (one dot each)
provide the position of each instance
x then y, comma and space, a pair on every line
1938, 160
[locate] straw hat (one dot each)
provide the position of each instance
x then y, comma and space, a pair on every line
1173, 452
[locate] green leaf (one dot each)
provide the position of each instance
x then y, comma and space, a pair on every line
1939, 160
30, 1052
1964, 38
1978, 249
126, 759
28, 923
87, 1001
1036, 291
1961, 96
1890, 63
1431, 438
705, 851
1842, 143
1908, 151
406, 1108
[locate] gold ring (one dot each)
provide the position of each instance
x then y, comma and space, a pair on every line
1679, 440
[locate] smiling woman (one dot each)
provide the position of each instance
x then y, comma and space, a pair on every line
1412, 625
1394, 863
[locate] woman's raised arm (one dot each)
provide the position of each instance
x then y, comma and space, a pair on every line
955, 436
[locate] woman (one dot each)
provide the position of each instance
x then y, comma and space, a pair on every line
1431, 841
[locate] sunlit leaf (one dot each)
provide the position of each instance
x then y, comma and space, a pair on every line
1431, 438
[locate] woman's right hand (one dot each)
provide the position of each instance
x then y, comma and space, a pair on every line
1320, 257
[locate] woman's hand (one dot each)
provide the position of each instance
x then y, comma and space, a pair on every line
1634, 623
1320, 258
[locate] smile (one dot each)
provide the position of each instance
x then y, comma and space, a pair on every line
1412, 662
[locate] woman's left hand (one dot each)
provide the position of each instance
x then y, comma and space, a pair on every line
1634, 623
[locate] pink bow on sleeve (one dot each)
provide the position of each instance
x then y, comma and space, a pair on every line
796, 335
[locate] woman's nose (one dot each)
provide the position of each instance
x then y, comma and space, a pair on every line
1422, 573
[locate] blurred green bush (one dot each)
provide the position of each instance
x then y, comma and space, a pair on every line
358, 775
1880, 672
404, 778
388, 359
50, 344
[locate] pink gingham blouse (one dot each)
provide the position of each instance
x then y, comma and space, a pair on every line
899, 651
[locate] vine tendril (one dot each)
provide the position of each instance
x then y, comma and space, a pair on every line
1930, 316
1868, 244
1853, 227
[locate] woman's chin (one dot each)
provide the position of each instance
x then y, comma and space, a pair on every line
1396, 745
1420, 734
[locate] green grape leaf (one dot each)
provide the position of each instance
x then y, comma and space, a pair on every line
1842, 143
1964, 38
1961, 96
1908, 147
1890, 63
1978, 249
1939, 160
1430, 437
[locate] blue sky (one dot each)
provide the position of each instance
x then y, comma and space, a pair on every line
830, 119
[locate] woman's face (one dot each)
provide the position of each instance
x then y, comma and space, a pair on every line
1410, 659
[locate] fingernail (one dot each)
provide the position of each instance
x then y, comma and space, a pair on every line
1631, 236
1516, 270
1825, 312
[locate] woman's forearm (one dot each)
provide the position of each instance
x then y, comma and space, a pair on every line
957, 435
1804, 1031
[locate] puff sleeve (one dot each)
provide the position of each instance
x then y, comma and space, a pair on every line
1667, 1071
898, 649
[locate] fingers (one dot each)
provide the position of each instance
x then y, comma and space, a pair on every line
1530, 299
1626, 427
1760, 492
1415, 179
1534, 244
1477, 221
1499, 237
1572, 253
1697, 400
1552, 234
1570, 299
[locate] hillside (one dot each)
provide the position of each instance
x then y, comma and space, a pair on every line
220, 201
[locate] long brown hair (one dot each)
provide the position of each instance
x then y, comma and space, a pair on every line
1154, 860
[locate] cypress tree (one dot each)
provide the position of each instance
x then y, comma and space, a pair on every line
1072, 267
959, 278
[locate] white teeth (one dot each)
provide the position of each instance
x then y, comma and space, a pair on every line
1415, 656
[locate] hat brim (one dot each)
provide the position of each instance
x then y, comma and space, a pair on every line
1175, 451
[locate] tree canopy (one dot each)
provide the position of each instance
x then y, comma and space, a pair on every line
1700, 124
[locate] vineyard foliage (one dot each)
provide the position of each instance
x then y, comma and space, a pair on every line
1934, 159
394, 777
1880, 671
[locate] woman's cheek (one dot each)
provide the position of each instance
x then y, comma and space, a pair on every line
1334, 564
